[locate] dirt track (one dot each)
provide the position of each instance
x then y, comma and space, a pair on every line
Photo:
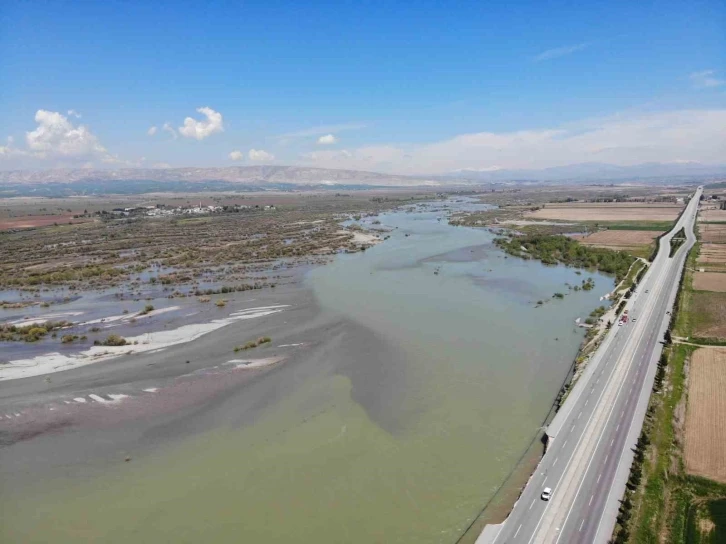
705, 454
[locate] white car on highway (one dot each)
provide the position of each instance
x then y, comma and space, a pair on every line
547, 493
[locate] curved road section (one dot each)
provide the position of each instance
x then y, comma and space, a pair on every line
590, 441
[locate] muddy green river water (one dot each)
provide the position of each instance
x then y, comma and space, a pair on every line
402, 443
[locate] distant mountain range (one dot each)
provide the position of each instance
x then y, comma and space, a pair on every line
251, 175
65, 182
593, 172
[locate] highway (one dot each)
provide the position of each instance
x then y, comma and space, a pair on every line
589, 453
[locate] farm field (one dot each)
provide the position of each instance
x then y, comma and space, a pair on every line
33, 221
627, 240
712, 257
713, 232
708, 311
608, 212
705, 454
710, 281
712, 215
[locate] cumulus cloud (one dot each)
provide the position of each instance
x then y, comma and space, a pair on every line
74, 113
237, 155
706, 79
168, 128
692, 135
260, 155
202, 129
327, 139
56, 137
557, 52
151, 131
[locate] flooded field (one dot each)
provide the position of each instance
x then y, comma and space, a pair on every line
430, 371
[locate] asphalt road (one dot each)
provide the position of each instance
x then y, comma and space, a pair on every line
589, 452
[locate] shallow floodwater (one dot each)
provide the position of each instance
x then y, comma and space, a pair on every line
403, 437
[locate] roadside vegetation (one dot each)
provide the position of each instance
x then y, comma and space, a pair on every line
562, 249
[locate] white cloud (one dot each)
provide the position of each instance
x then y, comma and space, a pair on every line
168, 128
236, 155
693, 135
559, 51
327, 139
202, 129
56, 137
316, 131
706, 79
260, 155
151, 131
74, 113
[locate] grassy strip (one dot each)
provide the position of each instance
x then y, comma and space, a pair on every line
636, 271
683, 315
659, 226
677, 241
650, 516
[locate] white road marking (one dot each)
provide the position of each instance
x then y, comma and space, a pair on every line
555, 462
531, 505
518, 528
578, 415
95, 397
598, 478
581, 524
592, 497
151, 389
617, 428
80, 399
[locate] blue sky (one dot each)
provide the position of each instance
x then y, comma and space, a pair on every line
406, 87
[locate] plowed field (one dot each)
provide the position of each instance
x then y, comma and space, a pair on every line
713, 232
710, 281
608, 212
619, 239
705, 448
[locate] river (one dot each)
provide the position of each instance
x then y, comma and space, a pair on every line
419, 413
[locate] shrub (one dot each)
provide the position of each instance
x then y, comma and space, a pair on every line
35, 333
114, 340
68, 338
